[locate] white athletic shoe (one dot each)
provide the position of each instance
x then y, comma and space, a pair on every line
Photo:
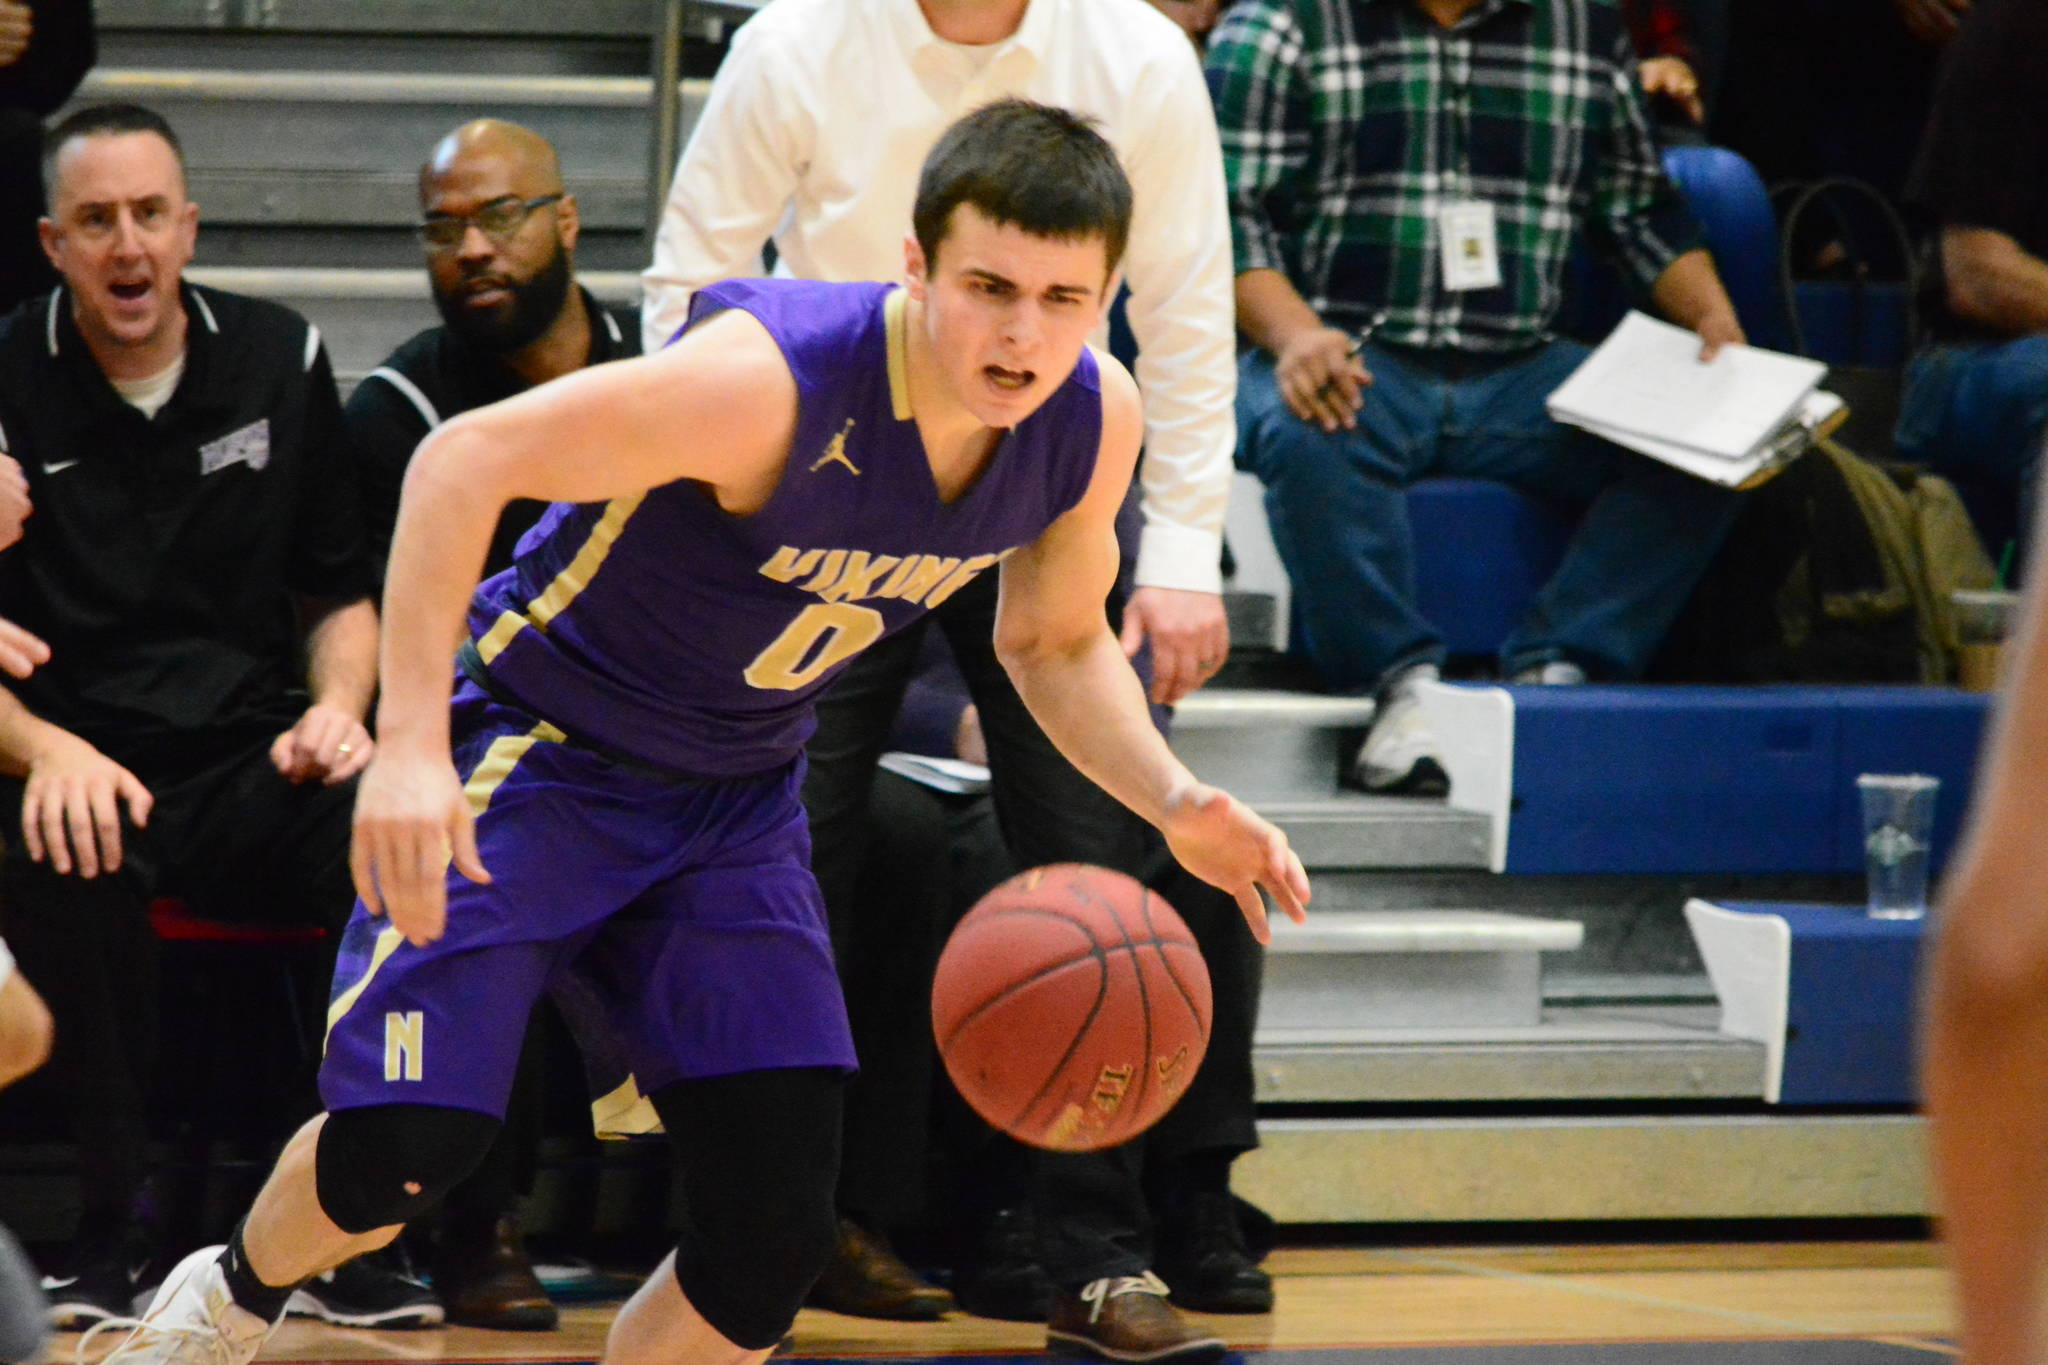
1400, 755
193, 1320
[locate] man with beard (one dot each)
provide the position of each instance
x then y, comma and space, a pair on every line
500, 238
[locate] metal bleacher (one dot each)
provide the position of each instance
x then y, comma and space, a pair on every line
304, 121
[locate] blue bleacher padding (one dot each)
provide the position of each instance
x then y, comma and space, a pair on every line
1851, 989
1481, 552
1684, 780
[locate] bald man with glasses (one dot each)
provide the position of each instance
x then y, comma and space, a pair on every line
499, 233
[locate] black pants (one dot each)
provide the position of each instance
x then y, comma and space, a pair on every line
1091, 1205
239, 844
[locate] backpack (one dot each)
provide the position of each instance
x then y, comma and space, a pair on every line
1838, 570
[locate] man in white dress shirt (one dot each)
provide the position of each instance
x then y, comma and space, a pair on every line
811, 138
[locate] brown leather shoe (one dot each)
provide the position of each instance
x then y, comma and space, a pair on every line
484, 1279
867, 1279
1127, 1319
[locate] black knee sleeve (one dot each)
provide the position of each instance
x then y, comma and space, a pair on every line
759, 1157
389, 1163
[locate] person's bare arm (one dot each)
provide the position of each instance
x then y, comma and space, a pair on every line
1316, 366
1985, 1072
718, 407
1057, 648
72, 793
1689, 292
1994, 282
25, 1029
330, 743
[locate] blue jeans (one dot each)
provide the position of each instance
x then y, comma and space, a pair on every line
1341, 524
1976, 412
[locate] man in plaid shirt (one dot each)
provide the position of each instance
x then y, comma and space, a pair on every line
1407, 181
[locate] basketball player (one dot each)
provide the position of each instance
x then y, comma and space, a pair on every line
1986, 1069
811, 466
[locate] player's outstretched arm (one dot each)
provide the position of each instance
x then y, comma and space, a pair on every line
718, 407
1986, 1059
1055, 642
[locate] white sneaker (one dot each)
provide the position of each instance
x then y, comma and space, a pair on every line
1399, 756
193, 1320
1556, 673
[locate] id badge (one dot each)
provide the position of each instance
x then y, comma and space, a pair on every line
1471, 250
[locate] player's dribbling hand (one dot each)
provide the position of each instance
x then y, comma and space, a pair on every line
410, 814
1222, 841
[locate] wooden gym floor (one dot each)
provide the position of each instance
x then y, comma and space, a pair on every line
1821, 1303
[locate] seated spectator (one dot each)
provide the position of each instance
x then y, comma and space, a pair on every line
1976, 398
500, 237
1400, 256
196, 564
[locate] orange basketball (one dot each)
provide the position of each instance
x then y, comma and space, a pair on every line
1071, 1007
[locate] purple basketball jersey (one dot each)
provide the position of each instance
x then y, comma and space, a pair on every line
661, 628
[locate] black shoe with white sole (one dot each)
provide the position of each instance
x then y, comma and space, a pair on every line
370, 1291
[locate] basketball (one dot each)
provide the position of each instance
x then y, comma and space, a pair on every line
1071, 1007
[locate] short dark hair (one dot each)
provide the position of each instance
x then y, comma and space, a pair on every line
103, 120
1033, 166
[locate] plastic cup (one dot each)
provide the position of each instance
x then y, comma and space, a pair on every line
1898, 826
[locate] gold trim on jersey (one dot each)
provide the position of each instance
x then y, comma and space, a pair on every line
556, 597
387, 944
624, 1113
498, 762
898, 332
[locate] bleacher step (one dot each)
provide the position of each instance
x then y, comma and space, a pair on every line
1359, 831
1573, 1054
1374, 969
343, 146
1587, 1167
1268, 744
365, 313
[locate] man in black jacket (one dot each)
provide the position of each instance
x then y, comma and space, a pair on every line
195, 562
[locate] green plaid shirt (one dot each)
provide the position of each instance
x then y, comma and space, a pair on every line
1348, 124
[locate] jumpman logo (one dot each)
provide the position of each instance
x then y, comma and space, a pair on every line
837, 451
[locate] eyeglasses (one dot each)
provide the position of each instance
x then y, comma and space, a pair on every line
499, 220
